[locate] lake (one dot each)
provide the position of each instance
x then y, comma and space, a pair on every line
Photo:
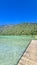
12, 47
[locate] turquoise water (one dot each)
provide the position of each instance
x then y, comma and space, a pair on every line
11, 48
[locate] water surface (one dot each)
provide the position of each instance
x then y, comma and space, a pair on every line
11, 48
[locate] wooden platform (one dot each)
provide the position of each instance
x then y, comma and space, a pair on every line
30, 56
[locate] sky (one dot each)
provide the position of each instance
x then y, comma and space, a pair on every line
18, 11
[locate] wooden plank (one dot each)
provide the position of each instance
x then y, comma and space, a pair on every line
30, 56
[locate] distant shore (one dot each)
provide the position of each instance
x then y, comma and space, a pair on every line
19, 29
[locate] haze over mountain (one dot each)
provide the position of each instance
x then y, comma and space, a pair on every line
19, 29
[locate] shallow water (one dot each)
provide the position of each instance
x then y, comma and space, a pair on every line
11, 48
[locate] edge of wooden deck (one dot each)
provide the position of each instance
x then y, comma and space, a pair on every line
29, 61
23, 52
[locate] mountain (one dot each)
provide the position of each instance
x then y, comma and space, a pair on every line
19, 29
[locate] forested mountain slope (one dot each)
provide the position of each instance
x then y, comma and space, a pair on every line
20, 29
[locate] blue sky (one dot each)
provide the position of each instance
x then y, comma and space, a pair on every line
18, 11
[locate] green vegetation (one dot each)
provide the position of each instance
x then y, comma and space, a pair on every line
20, 29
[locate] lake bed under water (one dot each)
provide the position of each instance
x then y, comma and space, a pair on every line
12, 47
